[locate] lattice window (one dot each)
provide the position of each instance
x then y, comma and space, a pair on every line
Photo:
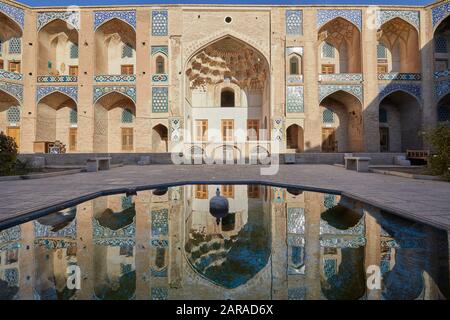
15, 46
440, 44
127, 116
127, 202
74, 51
329, 201
127, 51
444, 113
294, 22
294, 100
328, 51
381, 52
73, 116
159, 23
382, 116
327, 116
160, 101
13, 115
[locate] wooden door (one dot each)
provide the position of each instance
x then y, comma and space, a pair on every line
384, 139
14, 132
72, 139
227, 130
329, 143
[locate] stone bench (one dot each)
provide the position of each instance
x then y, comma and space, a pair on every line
360, 164
96, 164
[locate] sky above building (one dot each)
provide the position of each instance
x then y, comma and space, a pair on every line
272, 2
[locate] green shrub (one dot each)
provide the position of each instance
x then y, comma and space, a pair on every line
8, 154
439, 138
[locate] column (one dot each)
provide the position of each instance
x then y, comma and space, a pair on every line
29, 70
143, 81
86, 72
371, 131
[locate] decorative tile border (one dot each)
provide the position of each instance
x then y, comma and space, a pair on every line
442, 74
107, 237
100, 91
16, 90
160, 78
160, 99
439, 13
296, 78
294, 22
71, 17
160, 22
297, 50
65, 78
327, 89
175, 129
7, 75
413, 89
45, 231
441, 89
277, 129
115, 78
400, 76
341, 77
43, 91
17, 14
160, 49
410, 16
10, 235
128, 16
326, 15
294, 99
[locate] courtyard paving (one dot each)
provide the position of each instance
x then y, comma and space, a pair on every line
421, 200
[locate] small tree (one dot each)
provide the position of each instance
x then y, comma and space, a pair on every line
8, 154
439, 138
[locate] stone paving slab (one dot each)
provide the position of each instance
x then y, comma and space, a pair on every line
422, 200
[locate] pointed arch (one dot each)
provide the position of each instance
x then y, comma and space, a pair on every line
127, 16
72, 18
195, 47
16, 15
127, 91
324, 16
328, 90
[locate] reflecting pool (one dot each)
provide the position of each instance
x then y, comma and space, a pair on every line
271, 243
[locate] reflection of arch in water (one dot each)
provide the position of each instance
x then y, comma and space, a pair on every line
114, 252
409, 251
55, 250
230, 262
342, 241
9, 278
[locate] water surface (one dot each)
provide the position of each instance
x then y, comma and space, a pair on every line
273, 243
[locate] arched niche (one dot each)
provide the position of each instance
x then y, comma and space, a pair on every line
114, 123
58, 49
345, 132
403, 121
342, 39
401, 41
53, 118
115, 48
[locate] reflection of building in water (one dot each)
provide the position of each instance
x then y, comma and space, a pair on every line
9, 262
229, 254
275, 243
114, 228
55, 249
